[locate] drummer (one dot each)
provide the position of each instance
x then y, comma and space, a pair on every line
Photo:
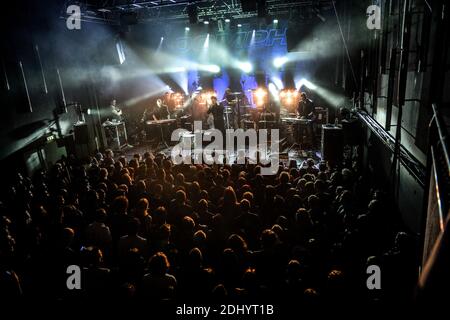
228, 96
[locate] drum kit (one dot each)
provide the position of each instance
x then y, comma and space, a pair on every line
247, 116
232, 111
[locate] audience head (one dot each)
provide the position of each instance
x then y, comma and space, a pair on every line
120, 205
158, 264
229, 196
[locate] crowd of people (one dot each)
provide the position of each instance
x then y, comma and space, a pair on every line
144, 229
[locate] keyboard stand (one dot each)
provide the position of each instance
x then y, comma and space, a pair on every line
162, 144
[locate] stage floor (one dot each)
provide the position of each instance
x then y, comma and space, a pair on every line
286, 154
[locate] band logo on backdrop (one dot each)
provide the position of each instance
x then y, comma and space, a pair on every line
264, 38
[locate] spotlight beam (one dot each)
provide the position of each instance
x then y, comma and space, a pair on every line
147, 95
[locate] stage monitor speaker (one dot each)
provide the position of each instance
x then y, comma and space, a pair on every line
332, 144
248, 5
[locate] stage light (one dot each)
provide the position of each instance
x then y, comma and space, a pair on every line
275, 21
272, 87
252, 39
187, 29
273, 90
245, 66
280, 61
206, 43
260, 97
177, 69
160, 44
157, 92
239, 25
227, 20
289, 99
211, 68
215, 69
260, 93
307, 84
277, 82
206, 22
330, 97
178, 99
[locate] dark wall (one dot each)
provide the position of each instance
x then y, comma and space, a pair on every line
426, 76
36, 38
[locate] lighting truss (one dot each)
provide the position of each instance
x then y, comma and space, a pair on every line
110, 11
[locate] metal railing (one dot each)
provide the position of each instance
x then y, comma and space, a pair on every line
439, 159
437, 203
406, 158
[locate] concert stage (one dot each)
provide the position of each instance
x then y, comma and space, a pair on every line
285, 156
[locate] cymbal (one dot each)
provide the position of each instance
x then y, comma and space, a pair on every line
236, 93
267, 121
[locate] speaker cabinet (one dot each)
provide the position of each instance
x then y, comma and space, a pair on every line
332, 144
84, 140
352, 132
81, 133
